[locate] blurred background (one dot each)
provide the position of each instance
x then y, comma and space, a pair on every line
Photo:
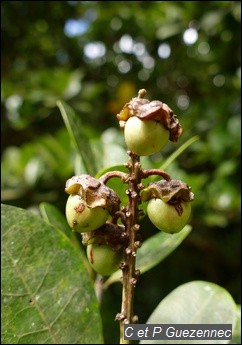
95, 56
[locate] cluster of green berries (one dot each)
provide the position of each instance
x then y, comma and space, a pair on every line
88, 208
147, 128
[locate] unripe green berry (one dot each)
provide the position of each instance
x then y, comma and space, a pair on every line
145, 137
165, 217
103, 259
82, 218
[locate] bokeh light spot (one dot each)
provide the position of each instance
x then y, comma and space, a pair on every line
190, 36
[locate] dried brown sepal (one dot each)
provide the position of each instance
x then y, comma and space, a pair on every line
108, 234
154, 110
131, 109
172, 192
94, 192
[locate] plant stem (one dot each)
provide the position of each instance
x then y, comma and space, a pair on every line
130, 274
158, 172
110, 174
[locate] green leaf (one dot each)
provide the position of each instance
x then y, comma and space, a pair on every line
156, 248
114, 147
178, 152
47, 294
193, 303
78, 137
236, 338
54, 217
55, 151
153, 251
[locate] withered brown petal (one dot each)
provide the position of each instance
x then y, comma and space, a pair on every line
124, 114
94, 192
160, 112
154, 111
137, 102
103, 197
175, 128
174, 190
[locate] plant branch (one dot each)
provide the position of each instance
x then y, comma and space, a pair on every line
164, 174
110, 174
121, 215
130, 274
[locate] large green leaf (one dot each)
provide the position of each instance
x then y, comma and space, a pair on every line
47, 295
197, 302
153, 251
54, 217
78, 137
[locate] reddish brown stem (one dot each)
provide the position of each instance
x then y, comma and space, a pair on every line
111, 174
121, 215
164, 174
130, 274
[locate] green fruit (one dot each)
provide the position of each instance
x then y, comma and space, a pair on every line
145, 137
82, 218
103, 259
165, 216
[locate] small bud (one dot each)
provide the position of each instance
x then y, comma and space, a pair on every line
136, 227
128, 251
133, 281
120, 317
137, 244
135, 319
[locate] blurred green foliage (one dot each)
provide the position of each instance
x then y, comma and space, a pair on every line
95, 56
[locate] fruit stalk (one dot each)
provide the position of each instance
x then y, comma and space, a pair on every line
130, 274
